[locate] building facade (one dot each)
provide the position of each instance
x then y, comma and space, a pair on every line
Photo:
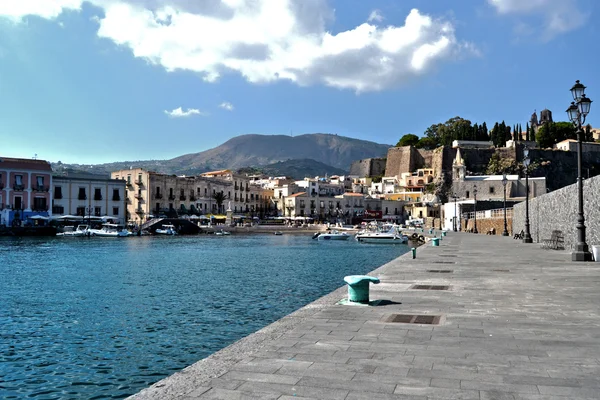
151, 194
88, 195
24, 190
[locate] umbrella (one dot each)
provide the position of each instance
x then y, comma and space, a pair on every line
39, 217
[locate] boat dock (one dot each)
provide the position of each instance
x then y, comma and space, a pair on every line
478, 317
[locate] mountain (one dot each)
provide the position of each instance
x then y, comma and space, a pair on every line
297, 169
254, 151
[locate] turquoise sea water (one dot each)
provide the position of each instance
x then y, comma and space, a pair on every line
106, 317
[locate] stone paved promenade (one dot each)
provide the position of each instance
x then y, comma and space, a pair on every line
518, 322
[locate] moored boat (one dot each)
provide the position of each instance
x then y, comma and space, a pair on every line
166, 229
390, 236
110, 230
333, 235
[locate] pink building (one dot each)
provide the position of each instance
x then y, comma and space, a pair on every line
24, 190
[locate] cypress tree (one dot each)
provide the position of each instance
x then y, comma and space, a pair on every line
484, 130
527, 131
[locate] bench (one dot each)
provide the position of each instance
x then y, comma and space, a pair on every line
556, 241
519, 235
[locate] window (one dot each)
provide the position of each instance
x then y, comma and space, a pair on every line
39, 204
491, 190
18, 179
205, 191
467, 194
40, 181
97, 194
81, 211
82, 195
115, 211
58, 192
116, 196
58, 210
97, 211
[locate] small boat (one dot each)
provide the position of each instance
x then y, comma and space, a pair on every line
166, 230
82, 230
391, 236
333, 235
110, 230
277, 233
222, 233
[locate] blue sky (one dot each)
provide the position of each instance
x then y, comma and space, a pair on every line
114, 80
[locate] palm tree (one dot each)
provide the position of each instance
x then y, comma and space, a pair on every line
219, 198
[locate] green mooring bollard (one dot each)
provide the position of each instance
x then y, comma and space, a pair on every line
358, 287
443, 233
414, 252
435, 242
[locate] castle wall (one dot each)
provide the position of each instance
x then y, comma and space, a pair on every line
368, 167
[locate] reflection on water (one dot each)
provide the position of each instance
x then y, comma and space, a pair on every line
106, 317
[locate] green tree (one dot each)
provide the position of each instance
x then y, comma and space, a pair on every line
499, 165
408, 140
426, 143
554, 132
484, 135
527, 132
588, 135
219, 197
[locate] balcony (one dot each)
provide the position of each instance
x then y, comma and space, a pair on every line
182, 197
158, 196
116, 198
138, 196
171, 197
192, 198
129, 185
128, 200
82, 197
139, 183
18, 188
139, 211
99, 197
41, 188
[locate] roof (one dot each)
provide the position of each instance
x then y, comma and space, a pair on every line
25, 164
353, 194
220, 172
297, 194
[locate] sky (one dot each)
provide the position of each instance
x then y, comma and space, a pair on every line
96, 81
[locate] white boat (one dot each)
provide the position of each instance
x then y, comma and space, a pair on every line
110, 230
82, 230
333, 235
222, 233
390, 236
166, 230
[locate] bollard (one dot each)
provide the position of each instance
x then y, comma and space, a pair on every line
443, 233
414, 252
358, 287
435, 242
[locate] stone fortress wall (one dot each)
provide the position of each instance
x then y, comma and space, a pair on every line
368, 167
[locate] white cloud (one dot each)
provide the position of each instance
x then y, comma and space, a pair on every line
272, 40
49, 9
180, 113
558, 16
226, 106
375, 16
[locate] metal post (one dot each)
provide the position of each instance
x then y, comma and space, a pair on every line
527, 238
505, 231
581, 252
475, 197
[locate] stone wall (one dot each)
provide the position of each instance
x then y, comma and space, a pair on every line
558, 210
368, 167
399, 160
484, 225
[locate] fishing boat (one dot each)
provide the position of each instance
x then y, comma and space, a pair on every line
391, 236
81, 230
110, 230
332, 235
166, 229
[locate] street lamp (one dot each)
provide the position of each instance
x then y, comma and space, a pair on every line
89, 214
455, 222
504, 182
577, 112
475, 197
526, 162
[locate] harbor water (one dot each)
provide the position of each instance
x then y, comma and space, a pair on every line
107, 317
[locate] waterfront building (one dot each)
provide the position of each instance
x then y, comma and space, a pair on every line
571, 145
88, 195
24, 190
151, 194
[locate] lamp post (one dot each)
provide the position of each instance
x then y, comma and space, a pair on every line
455, 221
526, 162
504, 182
577, 112
89, 214
475, 197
